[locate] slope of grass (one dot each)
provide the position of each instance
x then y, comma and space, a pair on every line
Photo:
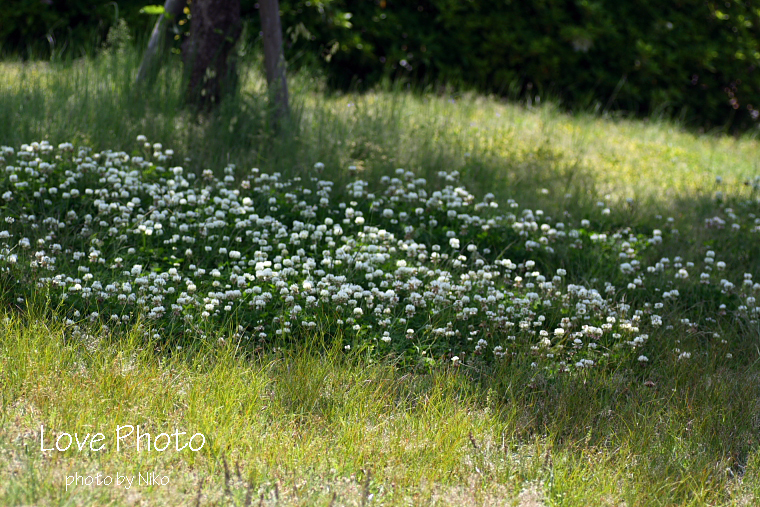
525, 149
324, 423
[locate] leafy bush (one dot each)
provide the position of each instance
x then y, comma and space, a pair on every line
694, 58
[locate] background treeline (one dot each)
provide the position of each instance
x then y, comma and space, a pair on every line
694, 59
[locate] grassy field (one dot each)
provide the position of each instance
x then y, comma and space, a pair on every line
587, 334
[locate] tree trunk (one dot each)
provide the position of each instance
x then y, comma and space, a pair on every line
274, 58
152, 58
214, 29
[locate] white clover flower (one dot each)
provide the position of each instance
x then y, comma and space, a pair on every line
643, 359
297, 261
626, 268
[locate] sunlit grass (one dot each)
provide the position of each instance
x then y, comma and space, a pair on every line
318, 425
482, 137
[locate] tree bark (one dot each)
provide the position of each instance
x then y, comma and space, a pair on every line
151, 61
274, 58
210, 68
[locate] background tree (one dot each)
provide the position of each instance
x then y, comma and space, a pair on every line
274, 58
207, 53
210, 67
151, 61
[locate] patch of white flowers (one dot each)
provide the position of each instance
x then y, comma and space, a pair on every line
115, 236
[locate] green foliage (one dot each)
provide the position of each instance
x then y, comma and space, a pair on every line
153, 10
66, 28
693, 58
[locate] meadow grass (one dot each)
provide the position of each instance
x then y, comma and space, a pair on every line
312, 423
497, 145
318, 426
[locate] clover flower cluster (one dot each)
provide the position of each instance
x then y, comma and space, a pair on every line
414, 268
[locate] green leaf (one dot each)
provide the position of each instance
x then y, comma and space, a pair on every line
152, 10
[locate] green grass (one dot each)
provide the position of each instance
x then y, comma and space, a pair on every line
312, 424
519, 149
